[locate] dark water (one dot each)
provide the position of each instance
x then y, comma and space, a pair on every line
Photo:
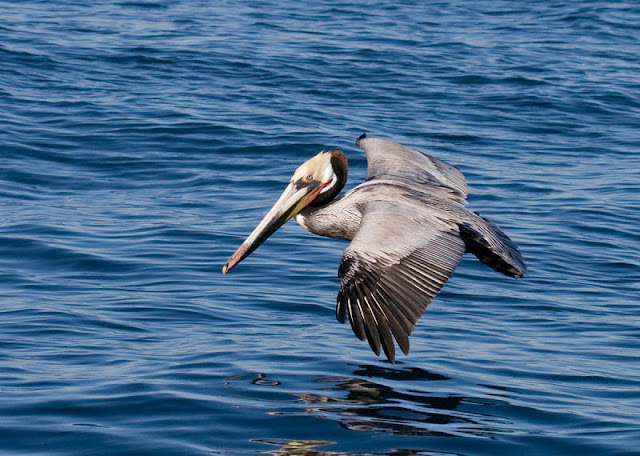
142, 140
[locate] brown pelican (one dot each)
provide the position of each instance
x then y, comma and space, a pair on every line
408, 228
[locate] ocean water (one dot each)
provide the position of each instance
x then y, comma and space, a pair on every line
141, 141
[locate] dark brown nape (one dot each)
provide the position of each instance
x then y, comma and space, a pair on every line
339, 165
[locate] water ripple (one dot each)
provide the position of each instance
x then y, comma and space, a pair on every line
142, 140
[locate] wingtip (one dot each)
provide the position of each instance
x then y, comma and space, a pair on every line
360, 138
390, 353
520, 273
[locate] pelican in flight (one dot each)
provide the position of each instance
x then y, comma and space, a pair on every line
408, 227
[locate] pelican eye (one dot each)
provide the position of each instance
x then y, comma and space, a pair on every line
308, 177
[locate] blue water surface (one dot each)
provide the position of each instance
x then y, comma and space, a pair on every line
141, 141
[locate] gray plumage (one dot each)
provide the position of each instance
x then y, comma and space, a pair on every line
408, 227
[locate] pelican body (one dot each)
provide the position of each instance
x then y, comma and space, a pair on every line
408, 227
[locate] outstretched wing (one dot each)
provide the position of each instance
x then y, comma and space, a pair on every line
389, 160
397, 262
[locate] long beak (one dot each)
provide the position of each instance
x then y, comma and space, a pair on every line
293, 200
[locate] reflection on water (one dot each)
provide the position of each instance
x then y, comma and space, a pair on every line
296, 447
411, 373
289, 447
370, 405
404, 402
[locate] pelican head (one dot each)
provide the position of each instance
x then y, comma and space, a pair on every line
316, 182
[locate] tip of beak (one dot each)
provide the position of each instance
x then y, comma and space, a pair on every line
235, 258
